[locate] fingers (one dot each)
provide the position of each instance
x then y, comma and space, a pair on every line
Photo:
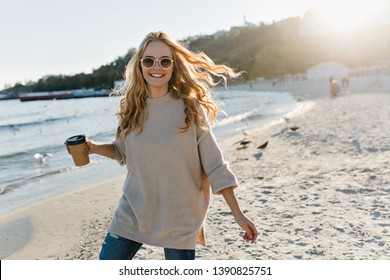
90, 145
255, 233
251, 233
88, 142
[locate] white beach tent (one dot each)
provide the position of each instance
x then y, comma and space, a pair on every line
327, 69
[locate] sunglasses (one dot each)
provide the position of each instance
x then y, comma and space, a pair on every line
149, 62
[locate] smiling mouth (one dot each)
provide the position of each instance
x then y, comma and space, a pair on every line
157, 75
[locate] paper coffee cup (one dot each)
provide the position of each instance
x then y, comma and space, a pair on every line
78, 149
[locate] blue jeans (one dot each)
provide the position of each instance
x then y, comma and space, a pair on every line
119, 248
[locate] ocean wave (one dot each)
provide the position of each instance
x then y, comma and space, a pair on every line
17, 184
17, 126
21, 155
236, 118
28, 179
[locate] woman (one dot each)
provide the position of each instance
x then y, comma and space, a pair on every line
171, 155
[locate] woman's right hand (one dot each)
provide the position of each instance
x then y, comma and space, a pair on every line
92, 146
107, 150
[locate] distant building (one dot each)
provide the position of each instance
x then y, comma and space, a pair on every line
327, 69
371, 71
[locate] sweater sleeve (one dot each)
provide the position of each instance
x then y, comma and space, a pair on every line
120, 151
214, 165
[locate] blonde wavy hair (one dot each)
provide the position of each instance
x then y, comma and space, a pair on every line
193, 76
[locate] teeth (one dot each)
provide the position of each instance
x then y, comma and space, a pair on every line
156, 75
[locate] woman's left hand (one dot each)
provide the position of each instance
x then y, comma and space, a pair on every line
244, 222
251, 232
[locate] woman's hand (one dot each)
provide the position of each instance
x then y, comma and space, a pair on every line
92, 146
251, 232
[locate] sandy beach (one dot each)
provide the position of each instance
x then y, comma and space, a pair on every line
320, 189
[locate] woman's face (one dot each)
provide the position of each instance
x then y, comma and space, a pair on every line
157, 77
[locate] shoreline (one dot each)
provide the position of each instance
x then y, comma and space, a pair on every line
317, 192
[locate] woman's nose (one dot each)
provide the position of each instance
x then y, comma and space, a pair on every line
157, 64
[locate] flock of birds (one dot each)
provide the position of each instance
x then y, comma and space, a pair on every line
244, 143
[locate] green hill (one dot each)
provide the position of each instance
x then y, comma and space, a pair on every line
287, 47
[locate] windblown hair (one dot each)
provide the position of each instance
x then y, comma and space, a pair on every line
193, 76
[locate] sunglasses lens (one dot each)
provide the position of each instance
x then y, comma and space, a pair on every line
148, 62
165, 63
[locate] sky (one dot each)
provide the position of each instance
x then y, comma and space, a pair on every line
53, 37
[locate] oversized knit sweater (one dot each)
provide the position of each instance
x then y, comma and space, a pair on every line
164, 202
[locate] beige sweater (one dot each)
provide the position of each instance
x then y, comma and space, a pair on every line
163, 201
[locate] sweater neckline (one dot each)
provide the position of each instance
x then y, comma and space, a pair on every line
159, 100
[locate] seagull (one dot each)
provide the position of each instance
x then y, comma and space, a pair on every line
293, 128
244, 143
43, 157
263, 146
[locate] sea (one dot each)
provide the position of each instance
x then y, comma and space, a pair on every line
31, 130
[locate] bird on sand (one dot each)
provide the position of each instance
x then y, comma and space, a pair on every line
242, 142
245, 142
263, 146
293, 128
43, 157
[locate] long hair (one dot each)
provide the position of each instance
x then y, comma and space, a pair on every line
193, 76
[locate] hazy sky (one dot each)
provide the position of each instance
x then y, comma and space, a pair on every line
40, 37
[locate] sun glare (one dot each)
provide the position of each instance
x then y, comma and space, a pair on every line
345, 15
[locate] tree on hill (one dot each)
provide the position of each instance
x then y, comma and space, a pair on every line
265, 50
100, 78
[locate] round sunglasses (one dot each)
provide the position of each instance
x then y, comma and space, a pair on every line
149, 62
